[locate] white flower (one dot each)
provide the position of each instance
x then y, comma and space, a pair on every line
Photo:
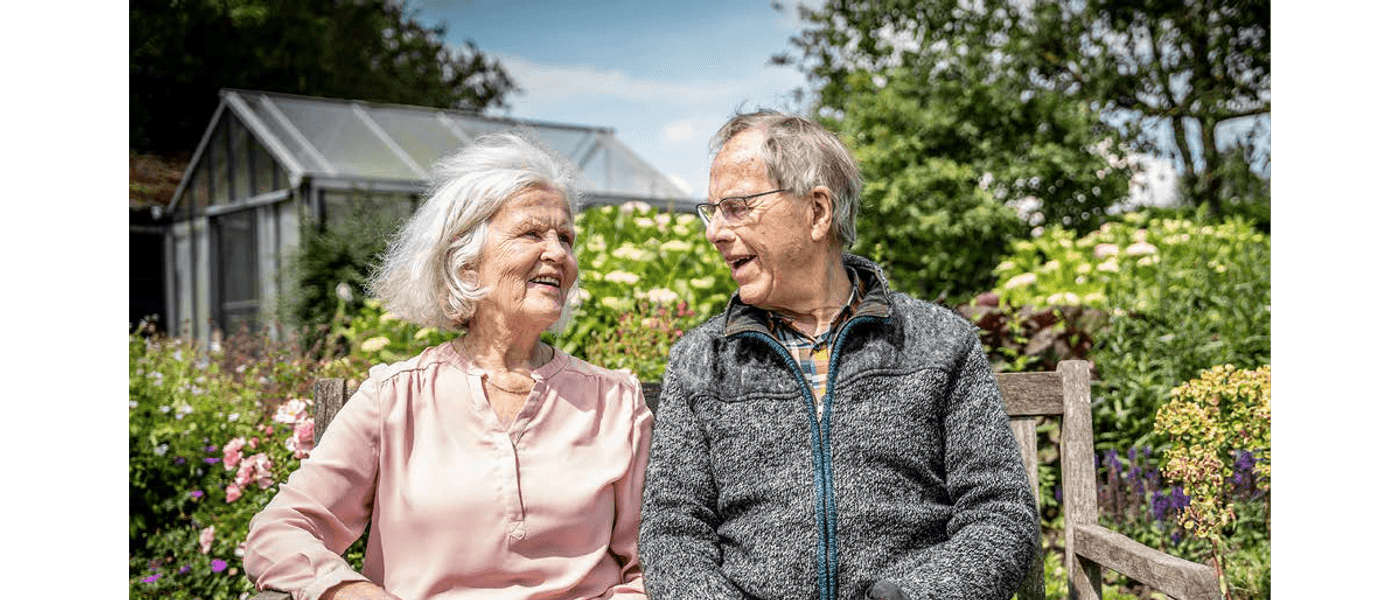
613, 303
182, 410
1005, 265
164, 409
583, 294
622, 277
133, 404
1140, 235
1105, 250
662, 295
374, 344
1139, 249
629, 252
631, 206
1063, 299
1021, 280
663, 219
1050, 266
342, 290
1109, 265
162, 449
1149, 260
676, 246
645, 222
703, 283
1083, 268
1093, 297
232, 417
686, 219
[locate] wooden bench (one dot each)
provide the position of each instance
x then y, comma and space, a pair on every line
1063, 394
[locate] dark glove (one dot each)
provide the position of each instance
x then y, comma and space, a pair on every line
885, 589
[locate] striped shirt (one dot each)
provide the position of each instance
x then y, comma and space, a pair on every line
813, 354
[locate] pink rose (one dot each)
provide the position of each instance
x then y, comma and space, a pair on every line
206, 538
245, 474
291, 411
232, 492
233, 453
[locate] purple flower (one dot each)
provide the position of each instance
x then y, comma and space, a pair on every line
217, 565
151, 579
210, 448
1133, 454
184, 569
1176, 537
196, 494
1179, 498
1057, 493
1160, 504
179, 460
212, 460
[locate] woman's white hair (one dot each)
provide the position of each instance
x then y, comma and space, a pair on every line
428, 275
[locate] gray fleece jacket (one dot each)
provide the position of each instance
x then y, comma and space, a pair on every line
911, 475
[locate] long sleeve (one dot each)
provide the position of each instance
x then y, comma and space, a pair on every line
627, 522
294, 544
994, 526
679, 545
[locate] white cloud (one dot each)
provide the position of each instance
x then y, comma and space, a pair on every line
679, 131
544, 83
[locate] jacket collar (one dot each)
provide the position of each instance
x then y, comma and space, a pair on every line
740, 317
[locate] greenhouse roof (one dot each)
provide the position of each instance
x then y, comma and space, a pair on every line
351, 140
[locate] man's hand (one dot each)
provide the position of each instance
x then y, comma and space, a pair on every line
357, 590
885, 589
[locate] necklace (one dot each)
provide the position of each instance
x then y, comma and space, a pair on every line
524, 390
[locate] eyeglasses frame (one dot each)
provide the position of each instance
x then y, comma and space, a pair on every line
716, 206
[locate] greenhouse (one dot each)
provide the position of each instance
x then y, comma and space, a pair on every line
270, 162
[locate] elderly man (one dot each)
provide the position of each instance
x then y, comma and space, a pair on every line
824, 437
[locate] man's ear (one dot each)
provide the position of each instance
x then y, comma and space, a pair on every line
823, 213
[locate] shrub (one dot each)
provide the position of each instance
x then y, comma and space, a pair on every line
192, 491
1207, 422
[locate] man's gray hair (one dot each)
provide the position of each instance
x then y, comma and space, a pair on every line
800, 155
428, 275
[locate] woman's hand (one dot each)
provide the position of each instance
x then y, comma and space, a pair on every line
357, 590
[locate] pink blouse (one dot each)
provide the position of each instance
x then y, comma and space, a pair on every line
459, 505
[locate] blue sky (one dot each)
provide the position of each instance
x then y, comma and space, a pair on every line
664, 75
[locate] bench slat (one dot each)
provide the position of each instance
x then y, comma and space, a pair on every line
1175, 577
1032, 394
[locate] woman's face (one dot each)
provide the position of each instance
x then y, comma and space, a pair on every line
528, 258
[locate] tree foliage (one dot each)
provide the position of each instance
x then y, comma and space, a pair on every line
183, 51
1190, 66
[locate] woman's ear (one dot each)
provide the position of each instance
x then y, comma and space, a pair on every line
823, 213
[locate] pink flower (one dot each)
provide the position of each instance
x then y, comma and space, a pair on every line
233, 453
302, 439
291, 412
206, 539
232, 492
256, 467
253, 444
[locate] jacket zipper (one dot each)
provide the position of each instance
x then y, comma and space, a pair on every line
821, 454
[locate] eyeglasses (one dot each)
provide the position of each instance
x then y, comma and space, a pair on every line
733, 209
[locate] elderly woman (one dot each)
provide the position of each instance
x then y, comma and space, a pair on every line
492, 466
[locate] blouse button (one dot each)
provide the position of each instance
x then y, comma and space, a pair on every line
518, 533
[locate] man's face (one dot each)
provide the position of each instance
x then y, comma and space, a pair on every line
768, 248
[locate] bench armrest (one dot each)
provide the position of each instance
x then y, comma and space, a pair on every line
1175, 577
272, 595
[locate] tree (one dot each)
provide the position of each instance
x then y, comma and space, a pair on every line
184, 51
1188, 65
943, 157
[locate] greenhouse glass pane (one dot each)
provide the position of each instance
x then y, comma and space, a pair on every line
237, 237
285, 137
344, 139
239, 159
472, 127
571, 143
419, 132
216, 158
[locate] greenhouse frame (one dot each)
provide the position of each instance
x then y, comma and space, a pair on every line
269, 163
